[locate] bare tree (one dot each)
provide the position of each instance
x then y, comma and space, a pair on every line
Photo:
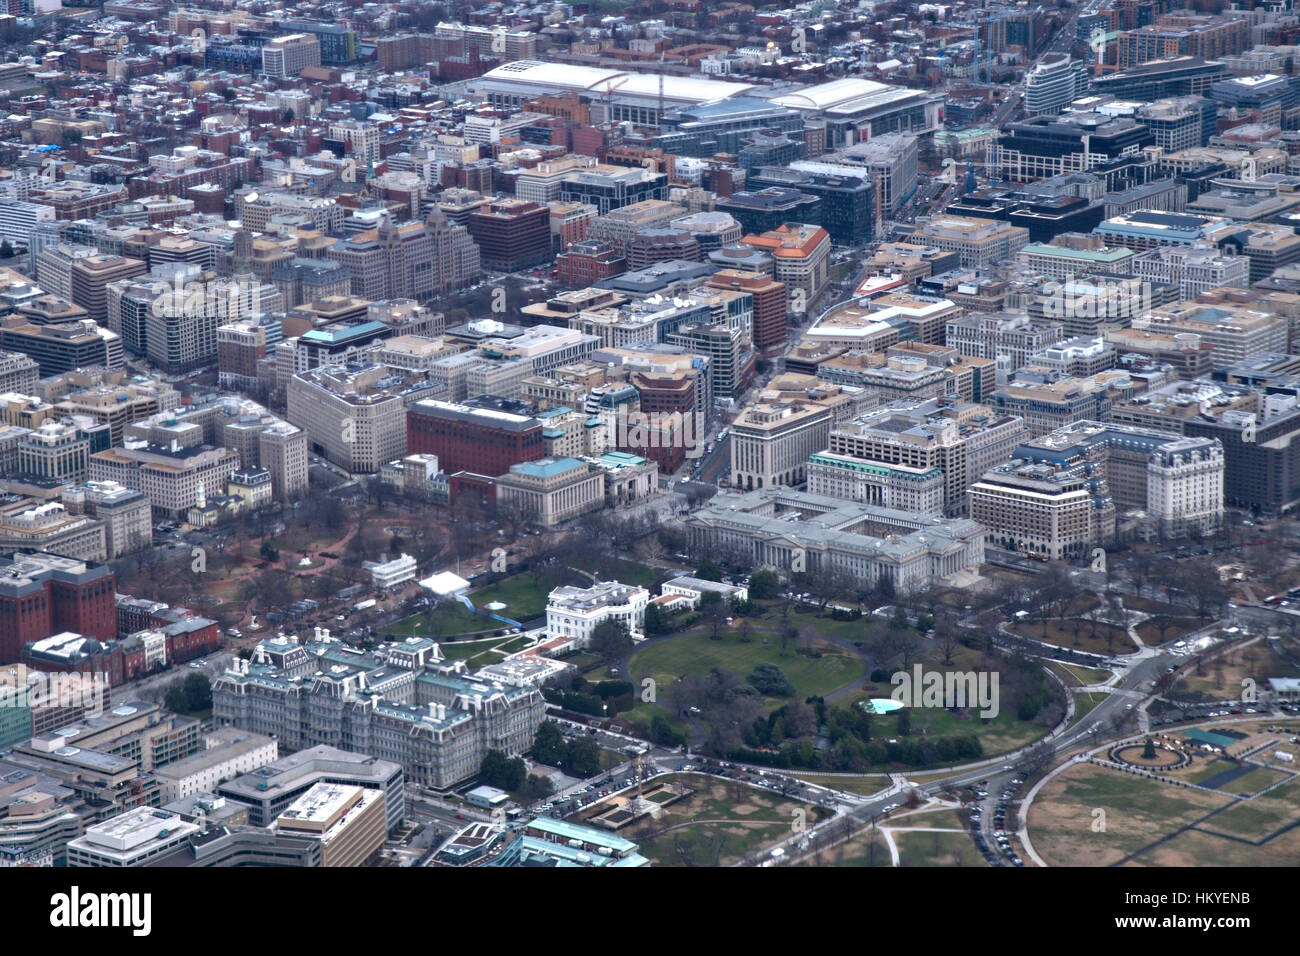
945, 632
789, 634
684, 847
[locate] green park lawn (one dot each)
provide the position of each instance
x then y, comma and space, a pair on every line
693, 653
453, 620
937, 849
809, 623
1253, 782
1084, 703
523, 596
1082, 675
719, 823
622, 570
865, 784
465, 650
997, 735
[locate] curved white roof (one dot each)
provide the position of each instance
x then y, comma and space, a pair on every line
849, 95
562, 74
596, 80
681, 87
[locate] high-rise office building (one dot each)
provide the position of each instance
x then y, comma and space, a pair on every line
289, 55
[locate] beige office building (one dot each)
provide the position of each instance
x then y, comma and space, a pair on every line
354, 415
171, 478
1036, 509
551, 490
962, 440
772, 439
348, 820
981, 243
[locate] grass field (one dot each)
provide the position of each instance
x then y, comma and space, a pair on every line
809, 622
623, 571
1088, 675
693, 653
465, 650
720, 823
1264, 827
1253, 782
865, 785
643, 714
941, 819
1164, 825
1200, 769
868, 848
453, 620
584, 662
1075, 675
1251, 818
1109, 640
1138, 812
523, 597
997, 735
1084, 703
916, 847
937, 849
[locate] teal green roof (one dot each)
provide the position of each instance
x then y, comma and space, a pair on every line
871, 468
1095, 255
1206, 737
622, 458
546, 467
331, 336
575, 831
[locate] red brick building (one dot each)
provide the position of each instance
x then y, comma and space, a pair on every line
187, 637
769, 304
43, 594
466, 438
467, 489
585, 263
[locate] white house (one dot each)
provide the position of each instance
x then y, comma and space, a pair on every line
574, 612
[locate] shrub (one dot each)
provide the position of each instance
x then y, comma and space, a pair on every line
768, 679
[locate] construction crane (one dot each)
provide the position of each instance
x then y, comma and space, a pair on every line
660, 116
610, 87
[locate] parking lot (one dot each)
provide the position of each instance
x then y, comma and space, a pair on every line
991, 836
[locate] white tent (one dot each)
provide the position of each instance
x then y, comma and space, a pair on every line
445, 583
